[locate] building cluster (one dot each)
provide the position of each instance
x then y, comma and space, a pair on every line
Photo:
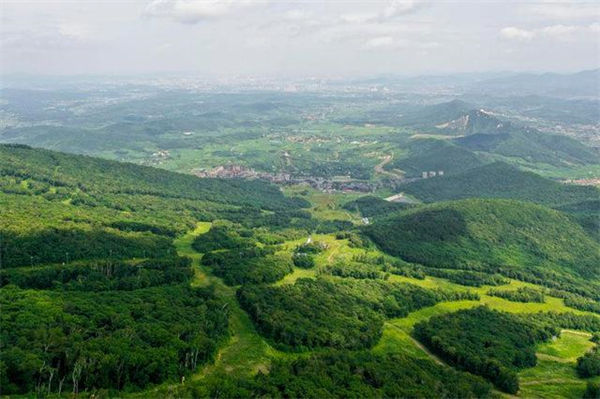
242, 172
319, 183
433, 173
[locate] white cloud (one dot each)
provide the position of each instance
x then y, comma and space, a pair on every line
557, 32
74, 31
562, 9
512, 33
392, 10
401, 7
48, 38
194, 11
380, 42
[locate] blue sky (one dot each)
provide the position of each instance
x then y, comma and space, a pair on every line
298, 38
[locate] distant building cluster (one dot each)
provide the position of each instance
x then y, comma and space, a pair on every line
238, 171
338, 183
433, 173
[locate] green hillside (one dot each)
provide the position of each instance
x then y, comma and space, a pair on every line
510, 237
370, 206
428, 116
53, 205
532, 146
500, 180
435, 155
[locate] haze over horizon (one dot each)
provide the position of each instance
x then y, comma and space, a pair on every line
293, 38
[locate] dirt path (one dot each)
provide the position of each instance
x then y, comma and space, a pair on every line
547, 381
380, 170
421, 346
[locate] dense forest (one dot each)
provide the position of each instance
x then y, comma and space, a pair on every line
500, 180
361, 374
70, 341
517, 239
485, 342
344, 313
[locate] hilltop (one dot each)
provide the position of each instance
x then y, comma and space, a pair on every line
435, 155
499, 180
504, 236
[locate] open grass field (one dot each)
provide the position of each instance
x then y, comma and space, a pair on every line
554, 375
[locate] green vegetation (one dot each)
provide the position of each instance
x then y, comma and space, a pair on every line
312, 313
55, 341
344, 313
355, 270
500, 180
248, 265
485, 342
369, 206
516, 239
577, 301
521, 294
294, 295
435, 155
532, 146
223, 236
124, 209
352, 374
592, 391
101, 275
466, 277
589, 364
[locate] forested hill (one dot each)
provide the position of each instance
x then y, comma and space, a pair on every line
53, 205
95, 175
500, 180
510, 237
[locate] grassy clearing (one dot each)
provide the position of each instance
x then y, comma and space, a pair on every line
550, 304
567, 348
296, 274
554, 375
246, 352
326, 206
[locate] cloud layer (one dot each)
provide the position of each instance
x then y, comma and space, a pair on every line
294, 37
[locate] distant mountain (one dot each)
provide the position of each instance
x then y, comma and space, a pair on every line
483, 131
428, 116
500, 180
532, 146
474, 122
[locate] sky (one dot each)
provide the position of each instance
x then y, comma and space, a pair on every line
306, 38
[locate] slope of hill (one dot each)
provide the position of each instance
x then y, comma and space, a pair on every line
430, 115
435, 155
500, 180
53, 205
511, 237
370, 206
532, 146
92, 175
